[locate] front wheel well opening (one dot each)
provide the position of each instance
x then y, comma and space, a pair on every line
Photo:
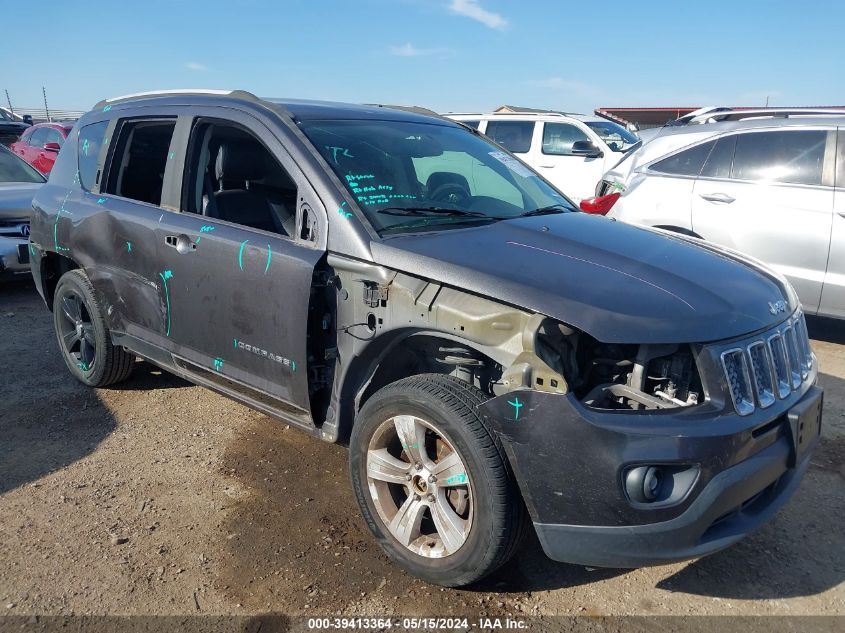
678, 229
424, 354
53, 266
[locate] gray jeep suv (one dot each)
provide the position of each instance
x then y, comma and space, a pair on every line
395, 281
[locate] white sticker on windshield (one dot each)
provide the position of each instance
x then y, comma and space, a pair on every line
513, 164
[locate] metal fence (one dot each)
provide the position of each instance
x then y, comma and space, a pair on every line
40, 115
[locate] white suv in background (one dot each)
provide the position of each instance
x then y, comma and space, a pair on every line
571, 151
773, 188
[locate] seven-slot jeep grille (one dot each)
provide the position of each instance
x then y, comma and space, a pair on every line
770, 367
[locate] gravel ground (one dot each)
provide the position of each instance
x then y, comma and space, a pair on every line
159, 497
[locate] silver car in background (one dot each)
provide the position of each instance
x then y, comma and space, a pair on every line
18, 184
773, 188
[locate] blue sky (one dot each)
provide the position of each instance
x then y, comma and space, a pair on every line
449, 55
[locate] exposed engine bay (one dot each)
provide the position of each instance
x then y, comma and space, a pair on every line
606, 376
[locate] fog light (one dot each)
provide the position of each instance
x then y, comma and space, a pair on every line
651, 483
643, 483
659, 485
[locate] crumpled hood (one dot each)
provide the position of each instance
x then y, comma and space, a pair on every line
16, 199
618, 282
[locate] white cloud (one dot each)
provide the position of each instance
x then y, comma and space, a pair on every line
472, 9
566, 85
195, 66
409, 50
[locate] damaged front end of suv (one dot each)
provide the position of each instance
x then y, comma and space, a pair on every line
658, 422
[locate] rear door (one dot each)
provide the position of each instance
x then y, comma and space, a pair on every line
123, 165
833, 292
766, 193
235, 276
552, 156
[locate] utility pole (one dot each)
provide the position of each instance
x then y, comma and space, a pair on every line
9, 101
46, 109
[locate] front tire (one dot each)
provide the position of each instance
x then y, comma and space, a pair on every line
83, 336
433, 482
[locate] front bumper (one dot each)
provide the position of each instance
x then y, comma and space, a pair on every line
14, 257
570, 463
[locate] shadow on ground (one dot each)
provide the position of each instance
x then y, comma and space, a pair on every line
38, 437
824, 329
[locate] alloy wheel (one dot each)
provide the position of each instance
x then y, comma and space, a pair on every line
420, 486
76, 332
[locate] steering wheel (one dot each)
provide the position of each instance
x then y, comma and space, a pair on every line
452, 193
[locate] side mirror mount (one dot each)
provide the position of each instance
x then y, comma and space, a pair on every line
52, 147
27, 118
587, 149
633, 127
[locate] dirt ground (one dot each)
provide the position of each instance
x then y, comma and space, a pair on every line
159, 497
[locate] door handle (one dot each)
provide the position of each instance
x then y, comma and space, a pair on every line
718, 197
182, 243
841, 213
547, 166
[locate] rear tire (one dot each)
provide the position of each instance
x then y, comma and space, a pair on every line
83, 337
433, 483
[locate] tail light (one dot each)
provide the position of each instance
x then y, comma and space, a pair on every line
599, 205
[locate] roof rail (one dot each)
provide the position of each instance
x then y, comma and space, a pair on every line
237, 94
763, 113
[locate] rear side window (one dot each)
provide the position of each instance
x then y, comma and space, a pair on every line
515, 136
88, 150
718, 164
139, 160
472, 124
558, 138
794, 156
840, 159
686, 163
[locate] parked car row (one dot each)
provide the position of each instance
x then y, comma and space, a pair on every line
18, 184
398, 282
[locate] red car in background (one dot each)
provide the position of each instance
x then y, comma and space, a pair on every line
40, 144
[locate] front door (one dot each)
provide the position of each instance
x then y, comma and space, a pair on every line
552, 156
236, 279
766, 198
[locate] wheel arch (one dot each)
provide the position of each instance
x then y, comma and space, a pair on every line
52, 267
678, 229
408, 352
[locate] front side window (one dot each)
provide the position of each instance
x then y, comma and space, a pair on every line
232, 176
140, 159
38, 137
558, 138
685, 163
54, 136
514, 136
793, 156
413, 176
89, 144
614, 135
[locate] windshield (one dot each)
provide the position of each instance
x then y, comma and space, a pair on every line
14, 169
418, 176
617, 137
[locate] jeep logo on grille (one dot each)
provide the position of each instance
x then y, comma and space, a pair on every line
24, 229
777, 307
